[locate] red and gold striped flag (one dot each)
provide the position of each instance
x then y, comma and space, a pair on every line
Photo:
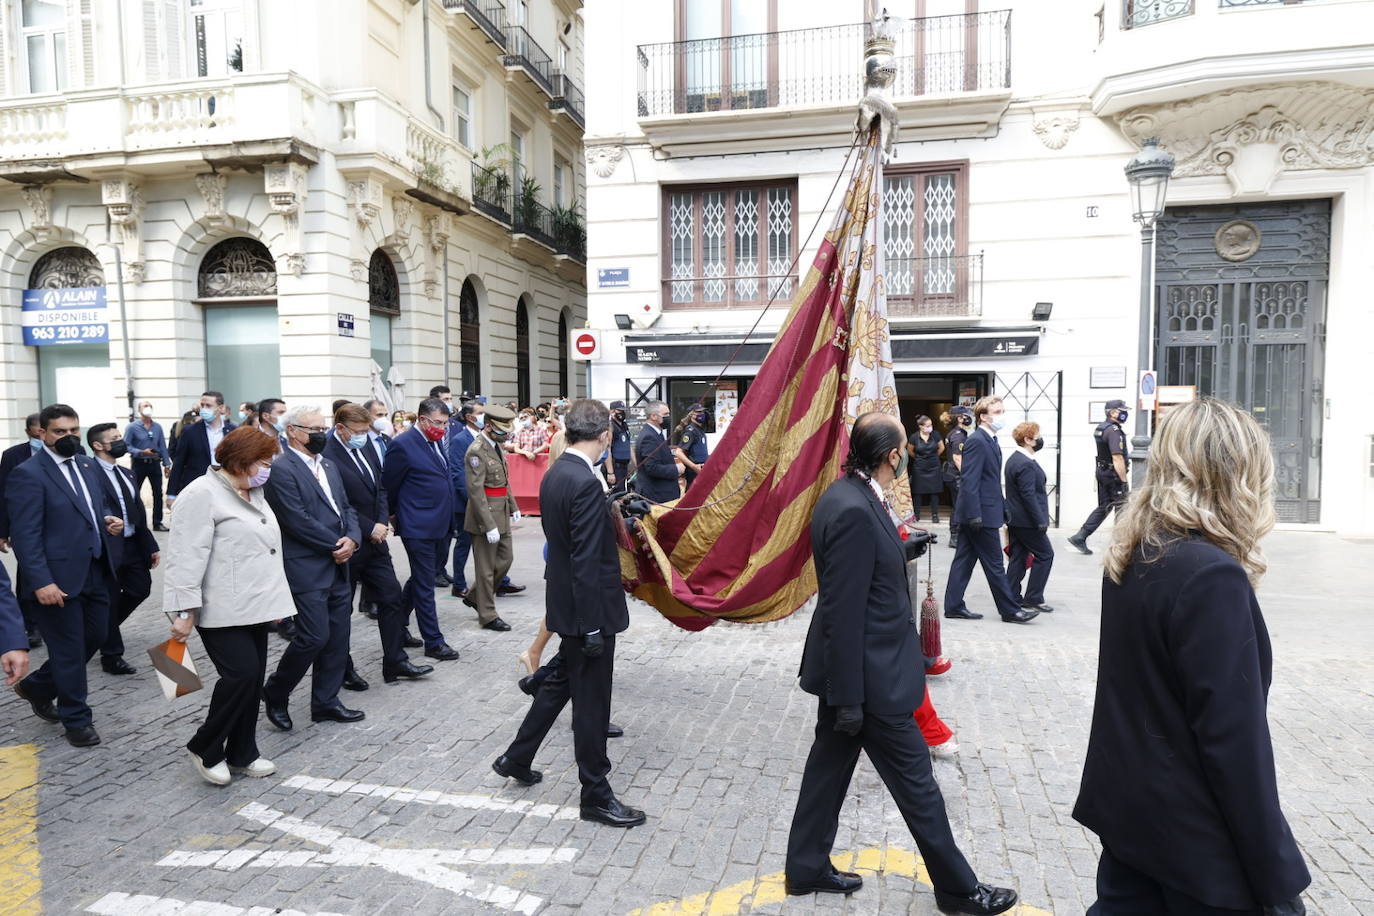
737, 545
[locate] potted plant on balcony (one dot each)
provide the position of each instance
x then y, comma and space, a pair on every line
491, 182
527, 204
568, 231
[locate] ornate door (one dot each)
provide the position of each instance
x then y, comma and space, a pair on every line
1241, 315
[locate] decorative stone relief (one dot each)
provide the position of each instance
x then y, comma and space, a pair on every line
365, 200
402, 209
1054, 130
1237, 240
284, 183
603, 159
124, 201
1252, 135
212, 187
39, 199
436, 235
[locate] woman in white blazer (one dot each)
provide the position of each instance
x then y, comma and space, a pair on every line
224, 577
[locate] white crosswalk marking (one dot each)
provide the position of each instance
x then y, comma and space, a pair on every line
116, 904
429, 797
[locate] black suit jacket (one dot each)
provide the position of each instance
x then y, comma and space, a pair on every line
50, 525
863, 648
141, 542
980, 481
366, 495
310, 528
1028, 505
1179, 779
10, 459
12, 635
582, 591
656, 474
191, 455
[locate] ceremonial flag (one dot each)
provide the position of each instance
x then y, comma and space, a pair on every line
737, 545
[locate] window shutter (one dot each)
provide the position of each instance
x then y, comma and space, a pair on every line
80, 45
163, 40
174, 39
152, 46
88, 42
5, 63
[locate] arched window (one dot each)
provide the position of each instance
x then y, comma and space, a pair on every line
66, 268
564, 389
78, 371
238, 289
470, 333
384, 303
522, 354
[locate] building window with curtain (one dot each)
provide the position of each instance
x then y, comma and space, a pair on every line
522, 353
43, 38
462, 113
238, 290
384, 304
470, 332
925, 227
216, 34
734, 63
564, 385
729, 245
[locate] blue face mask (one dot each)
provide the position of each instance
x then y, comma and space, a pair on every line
480, 421
280, 425
208, 414
37, 444
242, 416
357, 440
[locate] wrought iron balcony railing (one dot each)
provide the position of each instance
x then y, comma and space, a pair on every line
568, 98
1137, 13
534, 220
524, 53
934, 55
491, 193
570, 234
487, 15
1230, 3
949, 286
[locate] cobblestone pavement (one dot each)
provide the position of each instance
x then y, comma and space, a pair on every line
402, 811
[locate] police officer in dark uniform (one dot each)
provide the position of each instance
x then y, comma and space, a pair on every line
962, 419
1113, 470
690, 444
620, 445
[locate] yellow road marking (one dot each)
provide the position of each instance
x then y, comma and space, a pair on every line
20, 883
727, 901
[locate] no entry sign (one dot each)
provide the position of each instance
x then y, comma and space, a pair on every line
586, 344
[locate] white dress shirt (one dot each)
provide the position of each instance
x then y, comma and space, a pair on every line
599, 479
316, 466
112, 471
96, 517
214, 434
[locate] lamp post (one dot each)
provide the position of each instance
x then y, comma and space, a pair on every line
1148, 173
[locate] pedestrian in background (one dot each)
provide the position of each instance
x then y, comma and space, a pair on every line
150, 458
925, 448
620, 446
1112, 472
196, 445
491, 506
1028, 519
657, 473
958, 420
1179, 778
12, 457
224, 577
689, 442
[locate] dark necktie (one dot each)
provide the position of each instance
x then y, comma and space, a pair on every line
362, 464
81, 495
126, 499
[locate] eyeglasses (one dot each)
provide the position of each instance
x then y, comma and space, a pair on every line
312, 429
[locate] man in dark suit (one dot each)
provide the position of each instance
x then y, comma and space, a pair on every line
1028, 519
460, 439
863, 660
14, 642
419, 490
194, 453
10, 459
61, 508
656, 471
980, 512
351, 452
319, 533
585, 604
136, 551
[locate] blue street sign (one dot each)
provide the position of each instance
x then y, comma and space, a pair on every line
612, 277
53, 317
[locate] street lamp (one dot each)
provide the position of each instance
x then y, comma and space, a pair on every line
1148, 173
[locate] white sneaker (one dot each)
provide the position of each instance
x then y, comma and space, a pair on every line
260, 767
946, 750
217, 775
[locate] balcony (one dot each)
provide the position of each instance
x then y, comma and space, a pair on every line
939, 287
488, 16
491, 193
953, 80
379, 139
568, 99
524, 55
1138, 13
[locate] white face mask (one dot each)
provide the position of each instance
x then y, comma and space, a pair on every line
381, 425
147, 411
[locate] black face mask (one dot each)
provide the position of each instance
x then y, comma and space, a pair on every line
118, 448
1039, 444
315, 443
618, 415
67, 446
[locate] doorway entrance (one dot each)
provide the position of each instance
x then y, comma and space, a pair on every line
932, 395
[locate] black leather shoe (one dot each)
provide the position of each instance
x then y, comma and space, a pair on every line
1079, 543
527, 685
337, 714
115, 664
984, 901
962, 613
368, 610
355, 681
443, 652
497, 624
287, 629
458, 592
160, 527
467, 599
412, 642
614, 731
1025, 615
502, 590
613, 815
278, 715
441, 580
43, 709
504, 766
35, 639
85, 736
1039, 608
837, 882
405, 669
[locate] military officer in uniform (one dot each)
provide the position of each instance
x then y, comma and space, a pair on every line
1113, 468
690, 446
490, 508
961, 420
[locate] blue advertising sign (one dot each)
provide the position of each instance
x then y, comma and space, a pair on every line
65, 316
612, 277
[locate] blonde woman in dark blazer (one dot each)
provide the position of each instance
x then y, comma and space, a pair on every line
224, 577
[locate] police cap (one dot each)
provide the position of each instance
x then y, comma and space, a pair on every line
961, 410
617, 405
1116, 404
